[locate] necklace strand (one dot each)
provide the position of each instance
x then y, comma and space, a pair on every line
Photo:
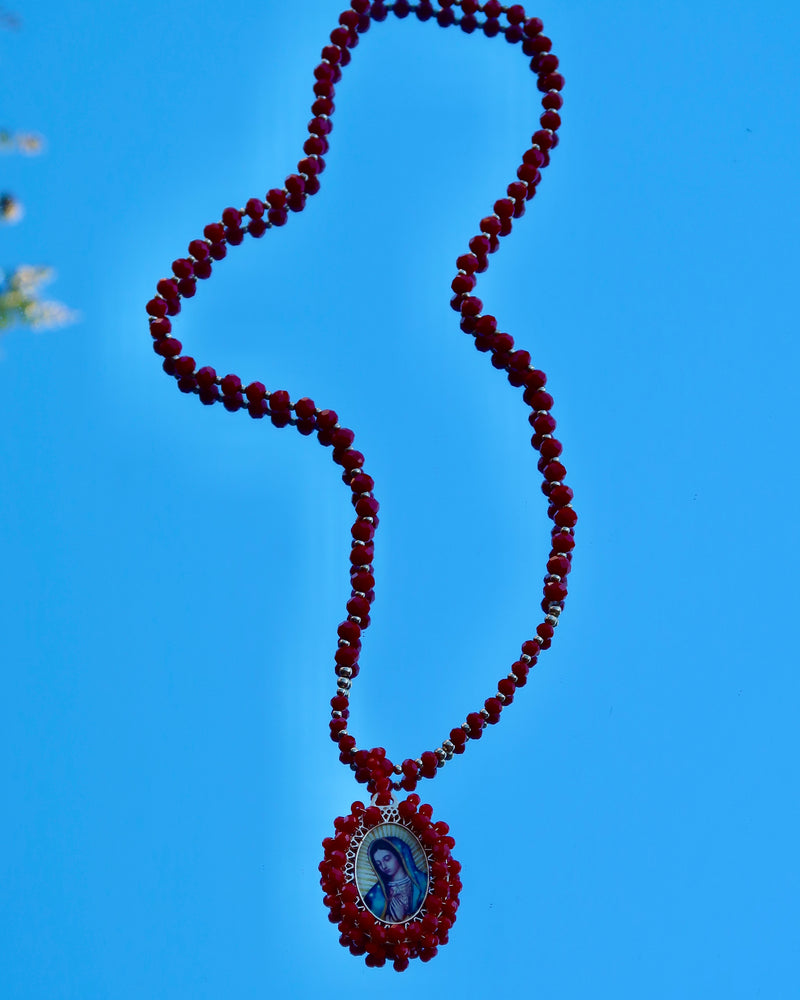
373, 767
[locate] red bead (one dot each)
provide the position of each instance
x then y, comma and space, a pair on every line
544, 423
198, 249
547, 63
468, 262
157, 308
555, 81
565, 517
255, 392
362, 483
182, 268
471, 306
562, 541
184, 366
277, 216
463, 283
206, 377
168, 288
230, 385
160, 327
555, 591
279, 400
232, 217
476, 723
533, 26
494, 707
504, 208
486, 325
202, 269
349, 631
554, 472
561, 495
506, 687
492, 8
519, 360
214, 232
342, 437
256, 228
480, 245
515, 14
218, 250
553, 101
543, 139
304, 408
187, 287
362, 555
551, 448
169, 347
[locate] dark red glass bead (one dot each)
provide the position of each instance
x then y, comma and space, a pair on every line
304, 408
157, 308
480, 245
169, 347
491, 27
232, 217
324, 105
554, 472
277, 216
555, 81
533, 26
279, 400
471, 306
537, 399
555, 591
504, 208
516, 14
182, 268
206, 377
468, 262
565, 517
230, 385
214, 232
198, 249
547, 63
561, 495
367, 506
234, 236
349, 631
168, 288
184, 365
486, 325
519, 360
342, 437
562, 541
553, 101
255, 391
218, 250
256, 228
187, 287
401, 8
327, 419
494, 707
491, 225
506, 688
254, 208
362, 483
362, 555
320, 126
160, 327
202, 269
476, 722
544, 423
463, 283
550, 120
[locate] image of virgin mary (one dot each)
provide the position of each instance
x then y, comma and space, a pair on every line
401, 886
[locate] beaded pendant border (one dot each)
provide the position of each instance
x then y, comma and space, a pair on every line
390, 882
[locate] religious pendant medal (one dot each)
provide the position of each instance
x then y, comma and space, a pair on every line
390, 882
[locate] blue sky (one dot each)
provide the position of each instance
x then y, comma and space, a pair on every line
175, 574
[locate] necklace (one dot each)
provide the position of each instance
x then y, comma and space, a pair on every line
390, 880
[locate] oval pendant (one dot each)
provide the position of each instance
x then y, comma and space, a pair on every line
390, 882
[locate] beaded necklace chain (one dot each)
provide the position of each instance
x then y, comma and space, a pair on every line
390, 881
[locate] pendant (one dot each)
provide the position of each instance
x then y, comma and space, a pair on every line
390, 882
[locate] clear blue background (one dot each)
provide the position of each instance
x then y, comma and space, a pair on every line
174, 574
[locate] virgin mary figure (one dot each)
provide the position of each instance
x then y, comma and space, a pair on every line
401, 886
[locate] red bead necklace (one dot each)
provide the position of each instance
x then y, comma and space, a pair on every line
390, 881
